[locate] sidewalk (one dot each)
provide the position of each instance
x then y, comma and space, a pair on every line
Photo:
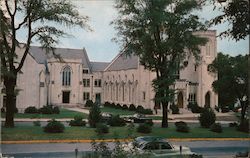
186, 115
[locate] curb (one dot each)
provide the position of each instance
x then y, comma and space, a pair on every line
115, 140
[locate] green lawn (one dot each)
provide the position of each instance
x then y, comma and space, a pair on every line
114, 111
64, 113
36, 133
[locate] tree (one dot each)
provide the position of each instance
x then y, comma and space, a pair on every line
160, 32
94, 115
38, 18
236, 13
232, 83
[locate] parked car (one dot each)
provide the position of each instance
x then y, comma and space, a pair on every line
157, 147
106, 117
137, 118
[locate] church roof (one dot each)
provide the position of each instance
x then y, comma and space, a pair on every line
123, 62
40, 55
98, 66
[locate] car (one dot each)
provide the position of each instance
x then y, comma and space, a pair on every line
138, 118
106, 116
156, 147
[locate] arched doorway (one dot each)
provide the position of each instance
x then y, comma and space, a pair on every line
180, 100
207, 99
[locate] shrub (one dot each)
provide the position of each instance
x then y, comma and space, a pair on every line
116, 121
139, 108
94, 115
217, 108
37, 123
54, 127
107, 104
102, 128
234, 124
182, 127
46, 110
216, 127
145, 111
144, 128
225, 109
89, 103
125, 107
31, 110
175, 109
195, 108
207, 118
2, 110
78, 121
112, 105
131, 107
56, 110
243, 126
118, 106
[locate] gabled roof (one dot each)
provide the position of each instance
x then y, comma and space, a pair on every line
123, 62
40, 55
98, 66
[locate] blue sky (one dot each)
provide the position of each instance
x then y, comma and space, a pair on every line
99, 45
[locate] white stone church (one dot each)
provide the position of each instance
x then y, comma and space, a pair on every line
75, 79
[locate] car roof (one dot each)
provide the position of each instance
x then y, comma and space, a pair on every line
150, 139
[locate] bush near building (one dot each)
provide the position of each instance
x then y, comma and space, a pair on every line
107, 104
175, 109
181, 127
54, 127
48, 109
195, 108
125, 107
207, 118
78, 121
132, 107
118, 106
89, 103
140, 109
31, 110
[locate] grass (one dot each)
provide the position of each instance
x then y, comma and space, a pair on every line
36, 133
114, 111
64, 113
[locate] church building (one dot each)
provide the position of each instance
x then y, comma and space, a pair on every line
74, 79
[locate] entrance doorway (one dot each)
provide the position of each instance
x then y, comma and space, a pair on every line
66, 97
207, 99
98, 98
180, 100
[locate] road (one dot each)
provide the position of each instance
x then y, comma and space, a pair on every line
209, 149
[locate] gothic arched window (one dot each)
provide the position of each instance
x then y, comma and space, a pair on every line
66, 76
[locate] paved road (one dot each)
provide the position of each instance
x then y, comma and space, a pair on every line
66, 150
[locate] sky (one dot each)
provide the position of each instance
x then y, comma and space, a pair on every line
99, 45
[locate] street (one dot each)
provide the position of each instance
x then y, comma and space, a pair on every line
67, 150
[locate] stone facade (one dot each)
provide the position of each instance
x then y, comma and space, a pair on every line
74, 79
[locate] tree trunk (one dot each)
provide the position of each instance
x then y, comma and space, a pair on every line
10, 83
243, 110
164, 123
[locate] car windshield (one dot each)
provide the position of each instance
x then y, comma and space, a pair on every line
156, 146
